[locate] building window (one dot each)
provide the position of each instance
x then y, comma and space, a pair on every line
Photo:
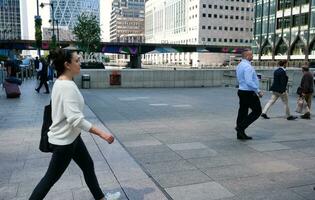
203, 27
209, 27
204, 5
204, 15
209, 15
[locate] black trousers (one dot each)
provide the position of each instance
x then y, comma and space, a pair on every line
248, 99
61, 157
43, 81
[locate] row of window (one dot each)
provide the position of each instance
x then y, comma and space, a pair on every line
225, 16
227, 28
221, 7
225, 40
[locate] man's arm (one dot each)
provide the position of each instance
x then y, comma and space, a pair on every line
249, 79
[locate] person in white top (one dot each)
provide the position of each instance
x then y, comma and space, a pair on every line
67, 122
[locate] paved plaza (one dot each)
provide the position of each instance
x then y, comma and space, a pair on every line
172, 143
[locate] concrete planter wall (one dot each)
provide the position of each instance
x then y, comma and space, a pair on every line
143, 78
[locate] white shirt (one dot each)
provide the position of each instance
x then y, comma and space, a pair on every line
40, 67
67, 106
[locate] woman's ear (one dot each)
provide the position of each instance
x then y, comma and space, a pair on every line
67, 66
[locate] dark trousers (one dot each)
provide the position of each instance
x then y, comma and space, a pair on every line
43, 81
248, 99
61, 157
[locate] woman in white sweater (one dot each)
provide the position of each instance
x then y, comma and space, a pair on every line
68, 121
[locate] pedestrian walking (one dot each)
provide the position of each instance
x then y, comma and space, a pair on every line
306, 89
43, 77
36, 64
67, 105
279, 89
248, 94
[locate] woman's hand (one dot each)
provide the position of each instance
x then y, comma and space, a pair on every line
108, 137
102, 134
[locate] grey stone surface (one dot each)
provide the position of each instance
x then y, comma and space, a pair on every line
202, 191
174, 149
268, 147
22, 165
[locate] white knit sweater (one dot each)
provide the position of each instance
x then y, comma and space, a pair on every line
67, 106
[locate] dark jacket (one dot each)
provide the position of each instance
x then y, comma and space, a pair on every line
307, 83
43, 72
280, 81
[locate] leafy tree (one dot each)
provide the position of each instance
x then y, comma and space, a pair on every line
53, 43
38, 32
88, 32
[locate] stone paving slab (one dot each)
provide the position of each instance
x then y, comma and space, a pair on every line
195, 128
202, 191
22, 164
174, 151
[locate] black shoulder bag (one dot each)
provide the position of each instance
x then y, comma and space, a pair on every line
47, 121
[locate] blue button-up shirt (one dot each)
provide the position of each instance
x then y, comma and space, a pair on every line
247, 77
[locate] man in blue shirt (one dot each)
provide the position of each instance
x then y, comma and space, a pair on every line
248, 94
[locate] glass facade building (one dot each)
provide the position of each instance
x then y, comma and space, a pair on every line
67, 11
10, 23
284, 29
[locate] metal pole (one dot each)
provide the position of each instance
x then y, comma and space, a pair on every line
57, 31
53, 18
37, 7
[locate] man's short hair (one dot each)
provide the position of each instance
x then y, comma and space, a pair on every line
305, 69
245, 51
282, 62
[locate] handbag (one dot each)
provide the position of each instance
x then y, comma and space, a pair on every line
301, 105
299, 91
47, 121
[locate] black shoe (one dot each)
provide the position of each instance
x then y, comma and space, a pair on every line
291, 117
37, 90
46, 92
241, 135
264, 116
306, 116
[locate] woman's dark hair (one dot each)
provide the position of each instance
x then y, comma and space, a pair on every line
59, 57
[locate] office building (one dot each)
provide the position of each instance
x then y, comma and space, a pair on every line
216, 22
284, 29
10, 23
127, 21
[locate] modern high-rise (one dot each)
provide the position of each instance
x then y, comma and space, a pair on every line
284, 29
10, 23
127, 21
66, 13
215, 22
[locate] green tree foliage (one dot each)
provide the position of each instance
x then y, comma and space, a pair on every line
53, 43
38, 31
88, 33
